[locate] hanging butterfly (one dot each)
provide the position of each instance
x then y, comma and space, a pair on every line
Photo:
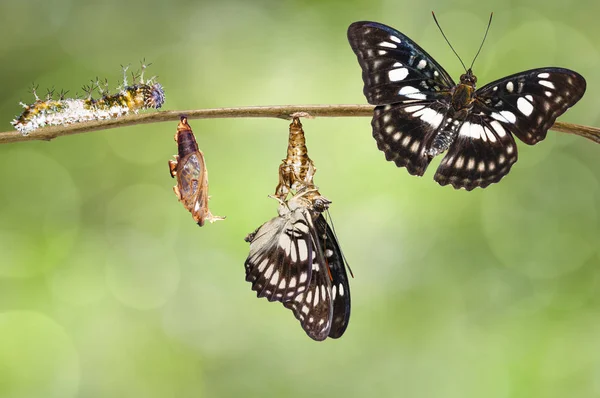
420, 112
192, 177
295, 259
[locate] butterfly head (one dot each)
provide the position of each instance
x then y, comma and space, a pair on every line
468, 78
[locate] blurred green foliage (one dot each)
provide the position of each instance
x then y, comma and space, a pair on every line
108, 288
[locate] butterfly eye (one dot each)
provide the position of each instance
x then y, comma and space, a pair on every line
468, 78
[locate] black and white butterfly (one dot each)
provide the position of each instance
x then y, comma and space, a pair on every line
421, 112
295, 259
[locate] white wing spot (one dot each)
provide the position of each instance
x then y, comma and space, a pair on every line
546, 83
544, 75
414, 108
293, 282
381, 52
316, 299
481, 166
396, 39
396, 75
309, 296
414, 147
547, 93
262, 265
395, 137
471, 164
405, 141
387, 44
510, 87
275, 278
390, 129
422, 63
489, 134
505, 116
315, 266
411, 92
524, 106
492, 166
501, 159
302, 250
282, 284
460, 162
430, 116
498, 128
333, 291
323, 291
304, 309
387, 117
341, 290
303, 277
268, 272
510, 149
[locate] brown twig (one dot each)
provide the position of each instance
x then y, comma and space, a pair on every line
275, 111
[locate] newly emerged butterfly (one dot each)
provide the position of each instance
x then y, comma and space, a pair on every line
192, 178
420, 112
295, 259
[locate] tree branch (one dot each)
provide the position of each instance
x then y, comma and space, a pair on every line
276, 111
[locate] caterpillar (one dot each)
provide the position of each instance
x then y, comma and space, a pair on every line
63, 111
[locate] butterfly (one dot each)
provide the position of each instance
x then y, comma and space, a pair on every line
192, 177
295, 259
420, 112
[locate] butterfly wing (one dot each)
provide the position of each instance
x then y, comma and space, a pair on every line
394, 67
528, 103
279, 265
340, 289
482, 153
525, 104
410, 87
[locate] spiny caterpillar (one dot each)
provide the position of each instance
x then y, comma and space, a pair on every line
63, 111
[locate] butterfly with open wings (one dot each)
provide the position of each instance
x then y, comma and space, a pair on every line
420, 112
295, 259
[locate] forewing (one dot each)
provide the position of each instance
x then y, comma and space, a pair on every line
405, 132
528, 103
279, 265
340, 288
394, 68
482, 153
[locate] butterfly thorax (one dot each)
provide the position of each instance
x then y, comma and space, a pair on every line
463, 94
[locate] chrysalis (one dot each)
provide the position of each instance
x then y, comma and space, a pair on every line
192, 178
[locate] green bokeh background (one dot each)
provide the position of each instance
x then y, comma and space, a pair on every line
108, 288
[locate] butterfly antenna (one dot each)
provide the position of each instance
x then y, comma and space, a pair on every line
483, 41
448, 41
